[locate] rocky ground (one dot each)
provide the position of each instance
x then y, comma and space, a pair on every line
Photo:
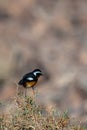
50, 35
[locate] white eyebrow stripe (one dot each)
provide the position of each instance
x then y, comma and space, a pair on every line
30, 78
37, 72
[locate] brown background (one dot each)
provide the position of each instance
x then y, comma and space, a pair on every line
50, 35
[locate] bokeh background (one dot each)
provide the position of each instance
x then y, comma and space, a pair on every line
50, 35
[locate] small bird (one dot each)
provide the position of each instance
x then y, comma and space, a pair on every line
29, 80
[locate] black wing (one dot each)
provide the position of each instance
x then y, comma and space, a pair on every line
25, 78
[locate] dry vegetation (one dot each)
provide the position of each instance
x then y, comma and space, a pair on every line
30, 116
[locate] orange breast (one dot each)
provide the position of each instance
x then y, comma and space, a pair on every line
30, 84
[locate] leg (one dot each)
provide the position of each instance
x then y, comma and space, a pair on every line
33, 88
35, 92
25, 92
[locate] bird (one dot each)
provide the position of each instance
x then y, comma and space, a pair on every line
29, 80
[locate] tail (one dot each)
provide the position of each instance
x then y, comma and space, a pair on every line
20, 82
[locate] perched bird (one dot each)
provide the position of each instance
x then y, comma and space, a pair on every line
30, 79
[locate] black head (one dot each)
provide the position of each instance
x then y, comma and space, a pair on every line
37, 72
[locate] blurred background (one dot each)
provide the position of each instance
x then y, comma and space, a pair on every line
50, 35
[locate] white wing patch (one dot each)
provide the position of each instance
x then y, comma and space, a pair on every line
30, 78
37, 72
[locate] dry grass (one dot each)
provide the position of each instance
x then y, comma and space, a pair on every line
30, 116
